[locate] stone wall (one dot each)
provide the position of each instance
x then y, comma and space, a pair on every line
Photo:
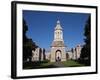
53, 53
38, 55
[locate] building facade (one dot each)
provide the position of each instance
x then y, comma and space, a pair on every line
38, 55
58, 52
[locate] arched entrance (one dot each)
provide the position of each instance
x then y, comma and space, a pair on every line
58, 56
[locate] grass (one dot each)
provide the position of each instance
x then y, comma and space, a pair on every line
47, 64
72, 63
38, 64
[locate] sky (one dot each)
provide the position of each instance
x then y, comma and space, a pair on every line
41, 26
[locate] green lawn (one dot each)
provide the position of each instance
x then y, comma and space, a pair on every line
72, 63
47, 64
37, 65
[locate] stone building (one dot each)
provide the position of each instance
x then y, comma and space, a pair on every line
69, 55
77, 52
38, 55
47, 54
74, 53
58, 52
58, 49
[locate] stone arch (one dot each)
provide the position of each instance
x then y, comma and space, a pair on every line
58, 55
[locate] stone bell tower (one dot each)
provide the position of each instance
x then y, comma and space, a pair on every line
58, 52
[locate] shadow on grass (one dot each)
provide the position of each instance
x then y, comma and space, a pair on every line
37, 65
47, 64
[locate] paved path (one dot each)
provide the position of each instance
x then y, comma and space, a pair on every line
58, 64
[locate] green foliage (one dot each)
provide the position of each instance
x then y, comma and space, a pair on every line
28, 44
44, 56
86, 50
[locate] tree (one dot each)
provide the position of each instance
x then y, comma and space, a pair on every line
28, 44
44, 56
85, 56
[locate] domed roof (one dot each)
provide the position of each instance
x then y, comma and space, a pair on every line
58, 26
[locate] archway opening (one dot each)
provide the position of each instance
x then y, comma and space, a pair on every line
58, 56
